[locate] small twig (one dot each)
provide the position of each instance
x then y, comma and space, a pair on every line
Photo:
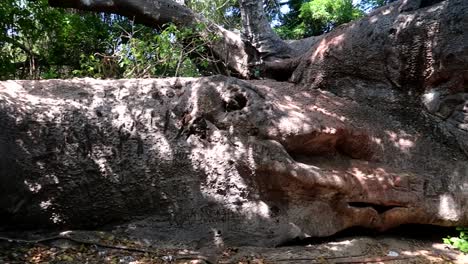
179, 62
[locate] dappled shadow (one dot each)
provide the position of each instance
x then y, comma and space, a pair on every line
75, 166
100, 153
211, 161
409, 158
113, 151
222, 161
382, 64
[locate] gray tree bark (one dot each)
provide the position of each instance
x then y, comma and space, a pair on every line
257, 163
374, 134
259, 33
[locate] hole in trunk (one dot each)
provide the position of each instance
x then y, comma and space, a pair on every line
236, 103
429, 3
377, 207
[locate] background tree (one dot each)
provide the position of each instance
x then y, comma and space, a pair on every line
43, 42
223, 12
102, 45
306, 18
40, 42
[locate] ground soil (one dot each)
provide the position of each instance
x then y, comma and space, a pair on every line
403, 246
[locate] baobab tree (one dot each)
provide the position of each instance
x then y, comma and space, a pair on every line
366, 125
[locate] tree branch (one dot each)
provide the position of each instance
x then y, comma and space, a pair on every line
229, 47
148, 12
258, 31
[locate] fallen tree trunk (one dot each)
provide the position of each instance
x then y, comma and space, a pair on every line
257, 163
373, 134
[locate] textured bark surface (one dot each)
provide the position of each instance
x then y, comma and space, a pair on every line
258, 31
373, 133
219, 160
391, 56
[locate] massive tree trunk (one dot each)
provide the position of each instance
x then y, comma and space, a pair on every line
262, 162
373, 132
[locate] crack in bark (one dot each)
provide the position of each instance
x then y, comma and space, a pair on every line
379, 208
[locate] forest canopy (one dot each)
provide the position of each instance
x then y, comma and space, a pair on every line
41, 42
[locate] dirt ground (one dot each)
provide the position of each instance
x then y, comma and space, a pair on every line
108, 247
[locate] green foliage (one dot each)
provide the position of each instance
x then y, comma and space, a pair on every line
315, 17
165, 53
90, 66
222, 12
320, 16
142, 52
39, 42
460, 242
